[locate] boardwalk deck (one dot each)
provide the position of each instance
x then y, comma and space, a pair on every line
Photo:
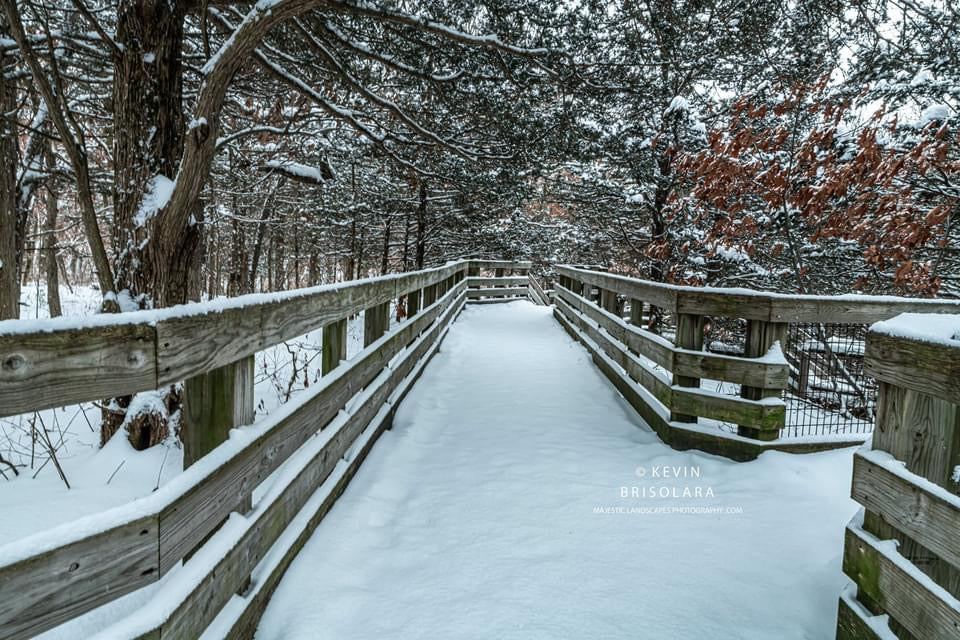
475, 517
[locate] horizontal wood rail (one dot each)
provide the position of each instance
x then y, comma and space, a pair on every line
536, 292
77, 360
507, 284
54, 576
903, 550
750, 384
636, 361
759, 305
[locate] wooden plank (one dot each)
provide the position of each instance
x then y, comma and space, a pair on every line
636, 312
334, 345
376, 321
507, 281
924, 432
42, 370
413, 302
50, 588
761, 336
760, 305
193, 343
677, 399
213, 404
757, 415
752, 306
921, 366
492, 265
926, 612
909, 507
689, 336
535, 291
658, 294
849, 310
742, 371
500, 292
640, 341
852, 623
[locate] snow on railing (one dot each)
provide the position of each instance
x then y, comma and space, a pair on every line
824, 398
901, 549
299, 456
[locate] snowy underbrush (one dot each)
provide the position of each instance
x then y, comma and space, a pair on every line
52, 467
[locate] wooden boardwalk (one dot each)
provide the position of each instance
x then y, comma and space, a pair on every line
521, 437
476, 515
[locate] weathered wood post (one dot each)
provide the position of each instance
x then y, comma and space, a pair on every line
608, 300
918, 423
413, 302
376, 321
334, 345
429, 295
689, 336
636, 312
761, 335
214, 403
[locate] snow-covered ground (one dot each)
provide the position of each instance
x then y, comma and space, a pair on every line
37, 498
508, 502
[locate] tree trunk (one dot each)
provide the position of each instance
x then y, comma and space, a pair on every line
422, 225
158, 265
9, 280
385, 258
147, 145
49, 242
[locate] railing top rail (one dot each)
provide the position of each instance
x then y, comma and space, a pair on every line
918, 352
761, 305
56, 362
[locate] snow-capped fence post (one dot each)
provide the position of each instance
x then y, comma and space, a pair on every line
213, 403
761, 336
689, 336
908, 483
334, 345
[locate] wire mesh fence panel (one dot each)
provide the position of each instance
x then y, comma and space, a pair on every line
828, 392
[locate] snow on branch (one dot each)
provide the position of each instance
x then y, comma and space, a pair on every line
302, 172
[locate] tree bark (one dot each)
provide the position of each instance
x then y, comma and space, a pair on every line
72, 139
422, 225
9, 278
147, 146
49, 242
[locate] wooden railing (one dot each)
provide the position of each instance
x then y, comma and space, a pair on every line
661, 377
903, 550
313, 444
498, 281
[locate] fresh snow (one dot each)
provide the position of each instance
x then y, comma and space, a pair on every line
156, 198
935, 328
493, 509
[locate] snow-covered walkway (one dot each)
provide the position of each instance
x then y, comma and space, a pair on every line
494, 509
